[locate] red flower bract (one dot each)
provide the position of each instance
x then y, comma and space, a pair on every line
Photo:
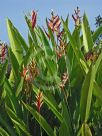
3, 52
26, 74
39, 100
54, 23
34, 17
76, 17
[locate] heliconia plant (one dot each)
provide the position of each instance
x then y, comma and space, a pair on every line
52, 84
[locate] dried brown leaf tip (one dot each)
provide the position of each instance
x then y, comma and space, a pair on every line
33, 19
76, 17
3, 52
39, 100
65, 78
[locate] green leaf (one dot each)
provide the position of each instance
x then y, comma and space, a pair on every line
15, 64
67, 20
21, 39
87, 36
33, 34
86, 130
50, 96
45, 43
17, 121
67, 118
30, 41
51, 37
13, 100
40, 120
52, 67
27, 57
76, 36
98, 66
50, 105
19, 87
3, 132
6, 125
63, 131
86, 69
86, 94
97, 33
54, 109
3, 72
97, 92
87, 88
14, 42
72, 41
98, 62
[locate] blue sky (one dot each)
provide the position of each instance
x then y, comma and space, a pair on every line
15, 9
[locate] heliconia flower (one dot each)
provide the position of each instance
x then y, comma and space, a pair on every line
39, 101
3, 52
59, 54
59, 35
26, 74
33, 70
64, 80
28, 77
92, 56
34, 18
76, 17
61, 49
77, 11
57, 22
54, 23
62, 45
30, 71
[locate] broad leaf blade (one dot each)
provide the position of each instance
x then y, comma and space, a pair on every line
87, 37
86, 94
21, 39
40, 120
2, 75
14, 42
6, 125
86, 130
3, 132
97, 33
17, 121
45, 43
15, 64
13, 100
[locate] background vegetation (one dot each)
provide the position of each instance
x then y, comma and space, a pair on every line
52, 84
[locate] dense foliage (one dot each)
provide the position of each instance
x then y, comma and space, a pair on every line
51, 85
